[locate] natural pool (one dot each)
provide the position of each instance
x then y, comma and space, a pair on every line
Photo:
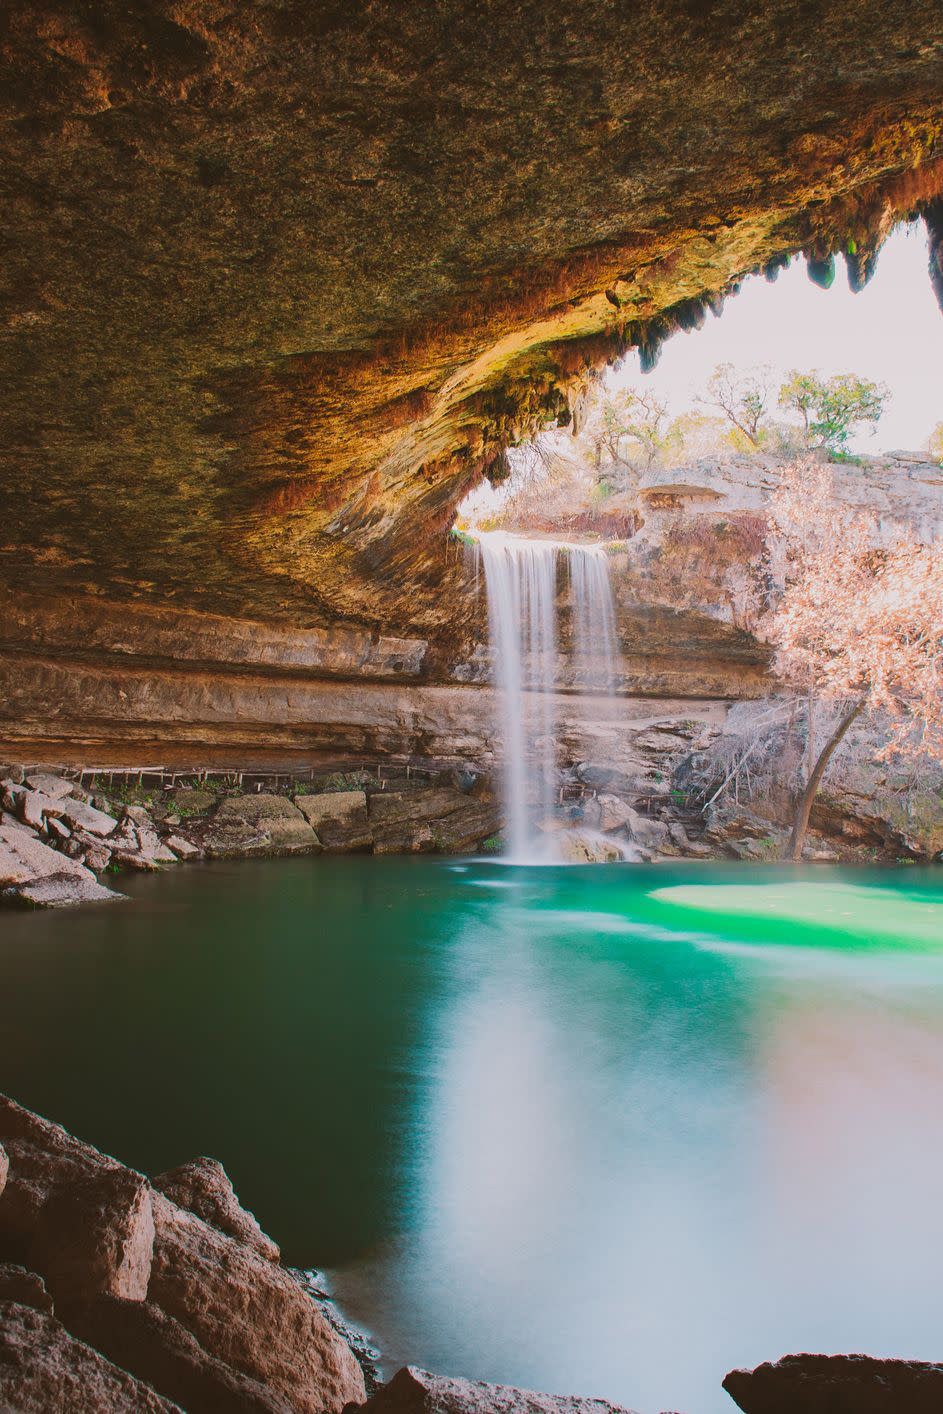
603, 1130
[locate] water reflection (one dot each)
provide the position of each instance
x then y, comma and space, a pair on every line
602, 1130
642, 1162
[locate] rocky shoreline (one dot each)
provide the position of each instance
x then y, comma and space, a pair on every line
121, 1294
59, 840
63, 842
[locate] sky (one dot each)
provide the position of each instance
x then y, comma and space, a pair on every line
892, 332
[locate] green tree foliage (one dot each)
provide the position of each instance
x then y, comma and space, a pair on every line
743, 397
831, 408
633, 427
935, 443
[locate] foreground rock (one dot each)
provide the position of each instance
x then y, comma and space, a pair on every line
838, 1384
415, 1391
203, 1186
210, 1320
43, 1370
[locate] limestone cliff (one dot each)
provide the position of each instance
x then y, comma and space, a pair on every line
281, 281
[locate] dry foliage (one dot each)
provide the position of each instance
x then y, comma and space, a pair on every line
849, 620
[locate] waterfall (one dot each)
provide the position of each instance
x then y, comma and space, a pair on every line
521, 586
593, 619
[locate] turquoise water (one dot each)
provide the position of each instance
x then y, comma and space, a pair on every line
605, 1130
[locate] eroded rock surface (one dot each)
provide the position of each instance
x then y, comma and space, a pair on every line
838, 1384
203, 1186
44, 1370
415, 1391
257, 824
205, 1317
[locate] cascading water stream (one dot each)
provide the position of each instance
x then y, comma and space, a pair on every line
521, 586
594, 619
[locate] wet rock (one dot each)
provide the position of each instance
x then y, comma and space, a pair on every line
55, 786
838, 1384
62, 892
24, 1287
95, 1236
591, 847
415, 1391
32, 873
338, 818
203, 1186
257, 825
249, 1312
45, 1370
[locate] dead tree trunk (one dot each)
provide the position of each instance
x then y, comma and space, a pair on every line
804, 808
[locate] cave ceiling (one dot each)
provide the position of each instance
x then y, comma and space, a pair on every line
282, 280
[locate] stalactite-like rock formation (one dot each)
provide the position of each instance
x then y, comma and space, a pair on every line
281, 282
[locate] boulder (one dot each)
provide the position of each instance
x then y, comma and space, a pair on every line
440, 818
45, 1370
249, 1313
81, 816
10, 796
338, 818
33, 807
140, 1337
183, 849
55, 786
646, 832
743, 834
233, 1307
257, 825
591, 847
24, 1287
42, 1157
415, 1391
32, 873
838, 1384
613, 813
95, 1235
4, 1168
137, 845
202, 1186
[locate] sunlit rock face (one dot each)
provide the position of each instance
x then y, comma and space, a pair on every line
282, 281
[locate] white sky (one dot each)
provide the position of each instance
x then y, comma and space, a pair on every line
891, 332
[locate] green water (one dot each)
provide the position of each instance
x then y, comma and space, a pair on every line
608, 1130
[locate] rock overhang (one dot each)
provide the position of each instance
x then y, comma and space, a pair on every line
285, 281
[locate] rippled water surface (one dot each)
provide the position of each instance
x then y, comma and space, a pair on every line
608, 1130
